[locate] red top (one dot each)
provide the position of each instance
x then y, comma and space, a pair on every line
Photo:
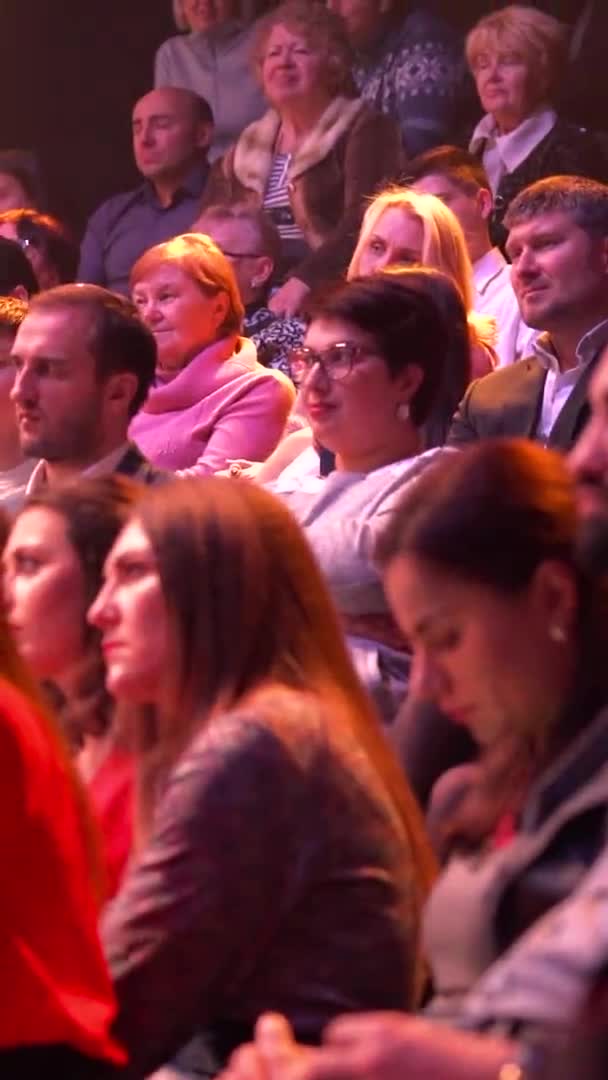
53, 971
111, 793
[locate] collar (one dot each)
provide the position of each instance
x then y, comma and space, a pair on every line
586, 350
517, 144
486, 269
39, 480
193, 185
574, 767
254, 151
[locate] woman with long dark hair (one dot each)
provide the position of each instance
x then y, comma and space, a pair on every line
281, 861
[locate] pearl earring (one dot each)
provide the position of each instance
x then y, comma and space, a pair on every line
557, 634
403, 411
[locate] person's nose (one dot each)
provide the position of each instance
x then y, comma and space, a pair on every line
24, 388
102, 613
426, 679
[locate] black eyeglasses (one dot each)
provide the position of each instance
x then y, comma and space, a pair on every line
336, 361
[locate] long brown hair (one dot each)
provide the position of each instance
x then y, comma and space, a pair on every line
248, 608
490, 515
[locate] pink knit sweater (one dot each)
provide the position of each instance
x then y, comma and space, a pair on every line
222, 405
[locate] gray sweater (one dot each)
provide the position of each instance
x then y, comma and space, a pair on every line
217, 66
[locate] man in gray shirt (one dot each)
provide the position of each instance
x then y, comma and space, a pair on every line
172, 129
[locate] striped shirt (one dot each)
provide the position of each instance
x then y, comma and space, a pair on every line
276, 199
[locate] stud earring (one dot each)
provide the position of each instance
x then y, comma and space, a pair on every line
557, 634
403, 411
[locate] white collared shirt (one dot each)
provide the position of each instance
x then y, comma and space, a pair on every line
560, 384
39, 479
494, 296
503, 153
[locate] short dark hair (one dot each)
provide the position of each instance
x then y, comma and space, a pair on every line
119, 340
405, 322
15, 269
460, 166
585, 201
49, 236
12, 313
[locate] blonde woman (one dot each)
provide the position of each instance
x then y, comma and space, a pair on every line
315, 155
211, 56
212, 400
517, 57
402, 227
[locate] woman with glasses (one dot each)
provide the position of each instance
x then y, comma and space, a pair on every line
370, 371
211, 400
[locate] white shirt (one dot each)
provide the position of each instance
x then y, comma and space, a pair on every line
494, 296
559, 384
503, 153
39, 479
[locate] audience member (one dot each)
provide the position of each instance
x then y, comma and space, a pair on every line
17, 277
20, 181
558, 241
212, 57
15, 470
508, 636
315, 155
56, 1020
250, 240
281, 860
517, 56
52, 571
407, 63
46, 242
371, 369
172, 129
402, 227
457, 178
83, 366
212, 401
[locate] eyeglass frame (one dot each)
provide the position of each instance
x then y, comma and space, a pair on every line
317, 357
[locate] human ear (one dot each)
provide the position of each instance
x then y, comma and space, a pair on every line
554, 598
485, 202
263, 272
121, 388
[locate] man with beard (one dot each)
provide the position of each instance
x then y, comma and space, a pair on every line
84, 363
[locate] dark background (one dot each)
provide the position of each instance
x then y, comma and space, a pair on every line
71, 71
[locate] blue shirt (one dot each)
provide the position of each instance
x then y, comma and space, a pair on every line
126, 225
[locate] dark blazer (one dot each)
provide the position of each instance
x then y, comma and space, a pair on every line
508, 402
566, 150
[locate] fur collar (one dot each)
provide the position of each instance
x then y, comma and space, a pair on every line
254, 150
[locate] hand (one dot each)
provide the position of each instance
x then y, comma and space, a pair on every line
241, 469
391, 1046
288, 300
274, 1055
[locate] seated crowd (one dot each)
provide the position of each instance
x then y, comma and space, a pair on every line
304, 550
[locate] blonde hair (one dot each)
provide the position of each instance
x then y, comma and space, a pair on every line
321, 29
201, 259
443, 248
541, 40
